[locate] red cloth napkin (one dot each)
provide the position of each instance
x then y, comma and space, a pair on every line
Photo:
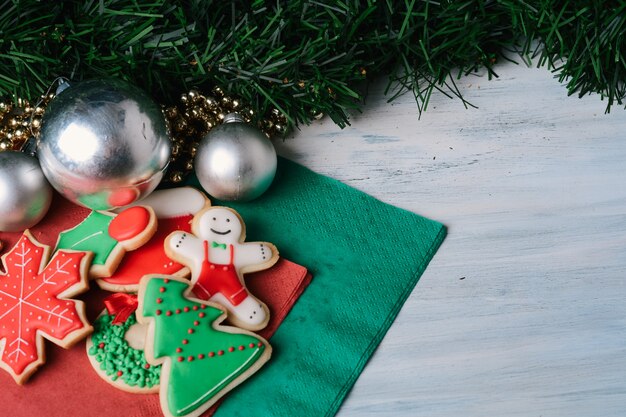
66, 385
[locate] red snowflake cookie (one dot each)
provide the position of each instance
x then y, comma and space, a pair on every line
35, 303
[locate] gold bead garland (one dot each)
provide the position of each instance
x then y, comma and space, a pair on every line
20, 120
188, 121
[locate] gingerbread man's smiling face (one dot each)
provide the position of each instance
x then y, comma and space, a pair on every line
220, 224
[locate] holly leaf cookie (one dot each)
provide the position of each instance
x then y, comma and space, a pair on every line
218, 257
174, 209
201, 360
35, 303
109, 236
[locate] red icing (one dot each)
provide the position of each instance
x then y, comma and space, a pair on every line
123, 197
190, 331
201, 356
242, 347
231, 349
185, 341
121, 306
221, 352
180, 359
29, 300
211, 354
151, 257
129, 223
223, 280
120, 373
162, 289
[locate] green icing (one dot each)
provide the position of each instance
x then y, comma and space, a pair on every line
116, 355
214, 364
90, 235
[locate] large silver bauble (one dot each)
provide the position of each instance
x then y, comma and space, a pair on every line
25, 194
103, 144
235, 161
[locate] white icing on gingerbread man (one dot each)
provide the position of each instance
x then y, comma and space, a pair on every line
218, 257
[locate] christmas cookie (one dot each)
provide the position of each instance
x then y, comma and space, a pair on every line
109, 236
116, 347
218, 257
35, 303
174, 209
201, 359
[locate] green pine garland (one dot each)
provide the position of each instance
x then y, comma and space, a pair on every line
307, 57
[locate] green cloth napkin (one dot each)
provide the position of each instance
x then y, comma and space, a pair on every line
365, 256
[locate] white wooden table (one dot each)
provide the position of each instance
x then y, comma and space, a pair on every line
522, 312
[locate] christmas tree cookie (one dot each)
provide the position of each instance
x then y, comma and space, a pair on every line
201, 359
109, 236
35, 303
217, 256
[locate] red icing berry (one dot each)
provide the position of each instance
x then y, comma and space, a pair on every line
178, 350
162, 289
201, 356
101, 345
158, 312
168, 313
195, 308
242, 347
190, 331
129, 223
190, 358
195, 323
251, 345
203, 306
201, 314
231, 349
211, 354
186, 309
159, 300
180, 359
120, 373
185, 341
220, 353
166, 280
259, 344
147, 366
178, 310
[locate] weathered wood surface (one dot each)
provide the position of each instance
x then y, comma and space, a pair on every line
522, 312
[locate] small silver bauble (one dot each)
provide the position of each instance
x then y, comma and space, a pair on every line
103, 144
25, 195
235, 161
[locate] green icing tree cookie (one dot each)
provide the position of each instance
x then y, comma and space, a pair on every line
201, 359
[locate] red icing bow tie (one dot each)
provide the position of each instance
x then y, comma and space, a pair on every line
121, 305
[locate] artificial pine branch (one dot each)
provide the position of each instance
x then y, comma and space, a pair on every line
305, 57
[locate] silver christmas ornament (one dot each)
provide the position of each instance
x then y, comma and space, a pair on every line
103, 144
25, 194
235, 161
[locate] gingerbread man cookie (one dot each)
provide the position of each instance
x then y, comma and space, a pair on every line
109, 236
218, 257
35, 304
201, 359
